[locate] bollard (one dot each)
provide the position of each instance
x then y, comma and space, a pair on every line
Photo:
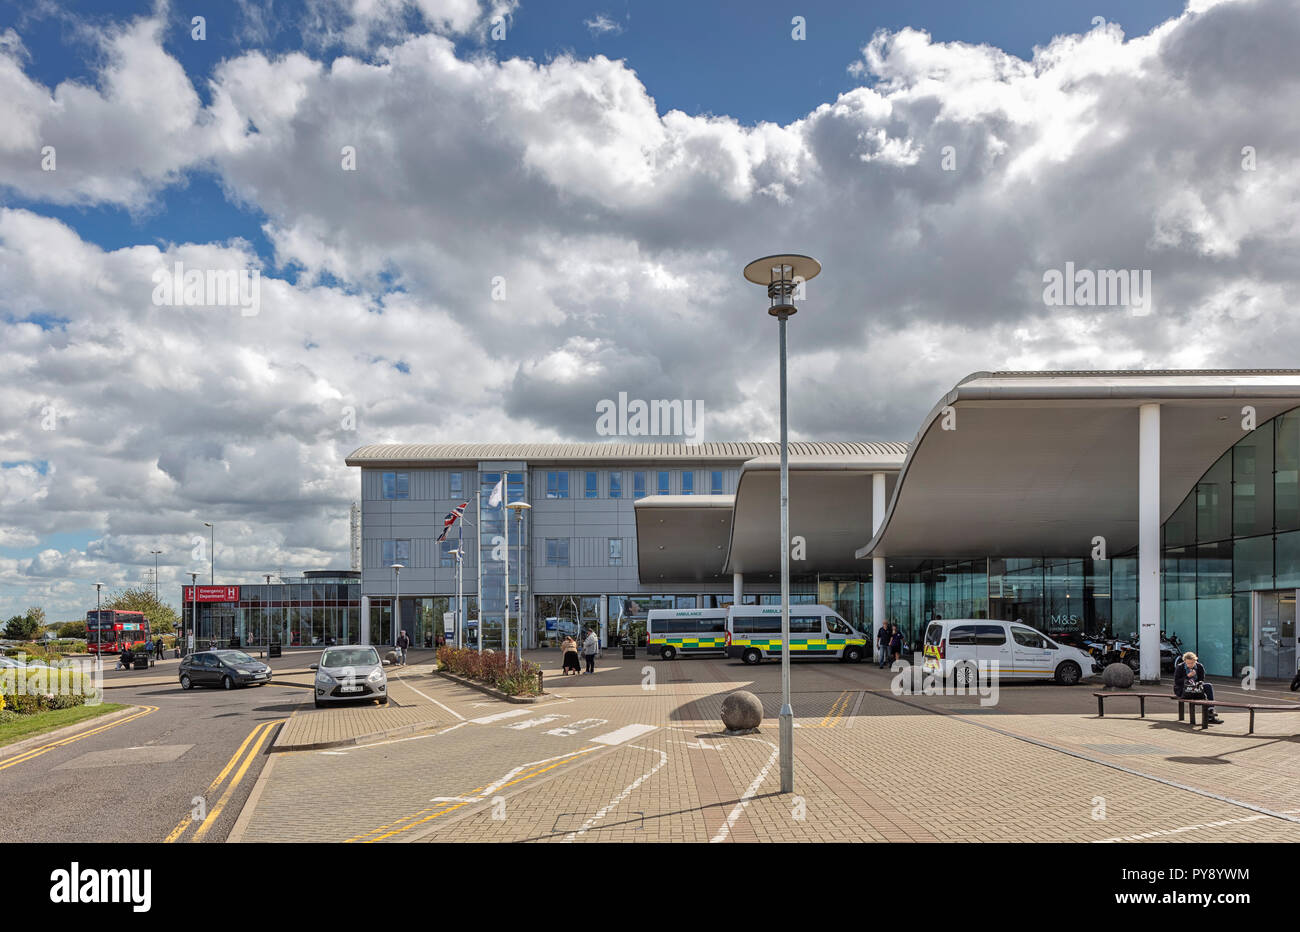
540, 690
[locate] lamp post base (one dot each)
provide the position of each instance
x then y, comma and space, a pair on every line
786, 721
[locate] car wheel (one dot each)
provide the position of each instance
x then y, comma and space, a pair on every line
669, 653
227, 683
1135, 664
752, 656
965, 675
383, 700
853, 654
319, 704
1068, 673
186, 683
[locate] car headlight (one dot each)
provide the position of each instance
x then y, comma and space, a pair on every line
376, 676
323, 678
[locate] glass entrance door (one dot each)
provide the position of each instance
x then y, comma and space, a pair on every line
1277, 658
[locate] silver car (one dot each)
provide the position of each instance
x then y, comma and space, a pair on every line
346, 674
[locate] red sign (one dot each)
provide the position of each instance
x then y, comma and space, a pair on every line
212, 594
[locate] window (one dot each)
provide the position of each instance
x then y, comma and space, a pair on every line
991, 635
688, 483
805, 624
557, 485
715, 485
616, 551
397, 551
447, 553
962, 635
397, 485
663, 483
835, 626
557, 551
1027, 637
456, 486
616, 485
638, 485
593, 485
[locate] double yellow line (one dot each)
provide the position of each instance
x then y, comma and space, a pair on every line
429, 813
64, 742
238, 764
837, 710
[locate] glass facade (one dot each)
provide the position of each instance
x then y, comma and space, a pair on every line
493, 558
296, 612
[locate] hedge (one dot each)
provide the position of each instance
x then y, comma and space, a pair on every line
492, 668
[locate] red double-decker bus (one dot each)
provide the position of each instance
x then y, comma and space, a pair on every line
111, 632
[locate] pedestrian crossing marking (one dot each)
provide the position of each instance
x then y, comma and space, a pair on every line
626, 733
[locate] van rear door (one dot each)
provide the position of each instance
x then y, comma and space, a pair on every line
995, 648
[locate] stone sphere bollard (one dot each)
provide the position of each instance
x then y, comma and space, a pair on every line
742, 712
391, 656
1117, 676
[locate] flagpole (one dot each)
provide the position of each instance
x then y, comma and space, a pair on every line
478, 563
505, 523
460, 587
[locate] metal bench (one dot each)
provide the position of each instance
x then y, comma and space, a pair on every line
1251, 707
1142, 702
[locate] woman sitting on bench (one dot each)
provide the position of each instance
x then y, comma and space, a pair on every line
1190, 673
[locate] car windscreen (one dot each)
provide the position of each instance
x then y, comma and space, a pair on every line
349, 657
234, 656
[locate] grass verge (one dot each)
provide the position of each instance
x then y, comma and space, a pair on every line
29, 725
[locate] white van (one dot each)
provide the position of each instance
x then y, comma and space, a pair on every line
754, 632
686, 631
965, 645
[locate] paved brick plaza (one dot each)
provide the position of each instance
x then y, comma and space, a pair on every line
615, 757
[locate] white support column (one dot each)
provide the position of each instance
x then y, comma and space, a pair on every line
877, 563
604, 621
365, 619
1149, 542
737, 587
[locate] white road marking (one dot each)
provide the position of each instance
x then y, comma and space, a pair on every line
749, 794
626, 733
534, 722
1179, 830
509, 713
627, 790
431, 699
701, 745
573, 728
493, 787
375, 744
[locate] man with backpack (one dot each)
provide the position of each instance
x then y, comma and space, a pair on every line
403, 642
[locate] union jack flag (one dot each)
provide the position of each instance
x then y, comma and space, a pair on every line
452, 517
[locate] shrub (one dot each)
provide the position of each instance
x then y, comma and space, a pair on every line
23, 705
512, 677
7, 715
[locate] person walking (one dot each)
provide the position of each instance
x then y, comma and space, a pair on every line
569, 651
882, 645
896, 643
590, 647
158, 648
1189, 680
403, 642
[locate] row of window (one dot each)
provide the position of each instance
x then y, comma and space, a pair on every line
595, 484
557, 552
557, 483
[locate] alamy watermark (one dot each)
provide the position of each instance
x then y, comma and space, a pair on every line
659, 418
182, 287
1073, 287
964, 678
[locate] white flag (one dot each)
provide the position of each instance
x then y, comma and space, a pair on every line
495, 498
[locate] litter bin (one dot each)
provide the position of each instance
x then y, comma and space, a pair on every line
273, 649
629, 649
142, 661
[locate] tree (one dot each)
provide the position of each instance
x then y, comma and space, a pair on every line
162, 617
23, 627
71, 629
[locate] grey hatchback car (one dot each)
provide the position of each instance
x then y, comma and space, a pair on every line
224, 668
346, 674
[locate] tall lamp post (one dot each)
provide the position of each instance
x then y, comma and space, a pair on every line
519, 508
212, 554
194, 613
155, 573
459, 553
783, 276
99, 628
397, 599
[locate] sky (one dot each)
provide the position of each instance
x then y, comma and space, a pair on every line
473, 220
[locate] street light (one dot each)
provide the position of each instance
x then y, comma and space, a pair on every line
397, 599
784, 276
155, 573
519, 508
99, 627
194, 613
212, 554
